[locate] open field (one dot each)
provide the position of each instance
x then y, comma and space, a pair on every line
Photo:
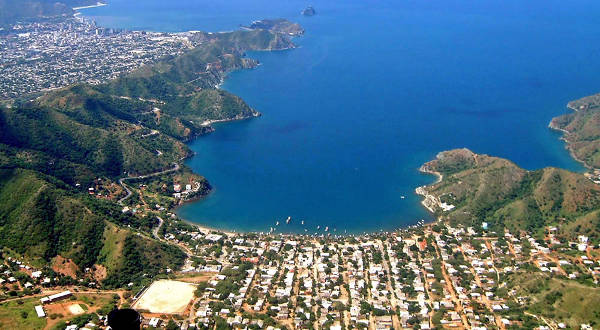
166, 297
11, 315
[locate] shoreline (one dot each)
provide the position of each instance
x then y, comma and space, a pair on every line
429, 201
564, 138
98, 4
208, 123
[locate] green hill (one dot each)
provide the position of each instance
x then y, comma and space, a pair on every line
494, 190
13, 10
41, 219
581, 129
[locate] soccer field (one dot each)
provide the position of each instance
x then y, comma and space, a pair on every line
166, 296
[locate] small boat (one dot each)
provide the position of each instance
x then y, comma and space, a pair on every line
318, 227
277, 223
402, 197
302, 221
326, 228
288, 220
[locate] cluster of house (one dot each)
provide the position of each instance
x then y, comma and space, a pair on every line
52, 54
190, 189
33, 276
448, 277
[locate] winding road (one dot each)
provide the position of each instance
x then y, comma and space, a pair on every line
155, 230
122, 183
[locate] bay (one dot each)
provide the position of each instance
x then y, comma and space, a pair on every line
375, 89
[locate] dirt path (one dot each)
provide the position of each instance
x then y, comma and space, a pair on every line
484, 298
450, 287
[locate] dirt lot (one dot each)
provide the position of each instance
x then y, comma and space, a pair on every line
196, 277
167, 297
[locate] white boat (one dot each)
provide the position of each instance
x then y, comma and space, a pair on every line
318, 227
326, 228
277, 223
288, 220
302, 221
402, 197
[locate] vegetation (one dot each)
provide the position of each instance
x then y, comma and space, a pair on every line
13, 10
581, 129
20, 315
40, 220
496, 191
565, 301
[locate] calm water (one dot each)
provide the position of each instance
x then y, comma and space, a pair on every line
376, 89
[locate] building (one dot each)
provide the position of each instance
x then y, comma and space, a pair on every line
40, 311
56, 297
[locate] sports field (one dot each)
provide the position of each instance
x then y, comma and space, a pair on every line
166, 296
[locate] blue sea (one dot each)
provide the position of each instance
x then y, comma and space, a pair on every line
375, 89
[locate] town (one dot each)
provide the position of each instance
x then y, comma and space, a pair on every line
441, 275
48, 54
424, 277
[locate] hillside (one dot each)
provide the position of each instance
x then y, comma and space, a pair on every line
279, 25
14, 10
479, 188
56, 145
581, 129
41, 219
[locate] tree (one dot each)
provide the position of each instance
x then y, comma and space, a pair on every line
200, 289
113, 156
172, 325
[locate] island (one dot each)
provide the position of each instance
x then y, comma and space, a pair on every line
309, 11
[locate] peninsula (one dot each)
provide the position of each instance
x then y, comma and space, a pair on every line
581, 130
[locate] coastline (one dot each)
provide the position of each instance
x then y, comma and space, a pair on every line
429, 201
564, 138
98, 4
206, 123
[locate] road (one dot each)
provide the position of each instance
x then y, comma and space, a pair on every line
122, 183
155, 230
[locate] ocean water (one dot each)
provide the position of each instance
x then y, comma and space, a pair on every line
376, 89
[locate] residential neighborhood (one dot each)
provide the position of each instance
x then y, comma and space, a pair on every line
49, 54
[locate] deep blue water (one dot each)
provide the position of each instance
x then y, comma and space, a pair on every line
376, 89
